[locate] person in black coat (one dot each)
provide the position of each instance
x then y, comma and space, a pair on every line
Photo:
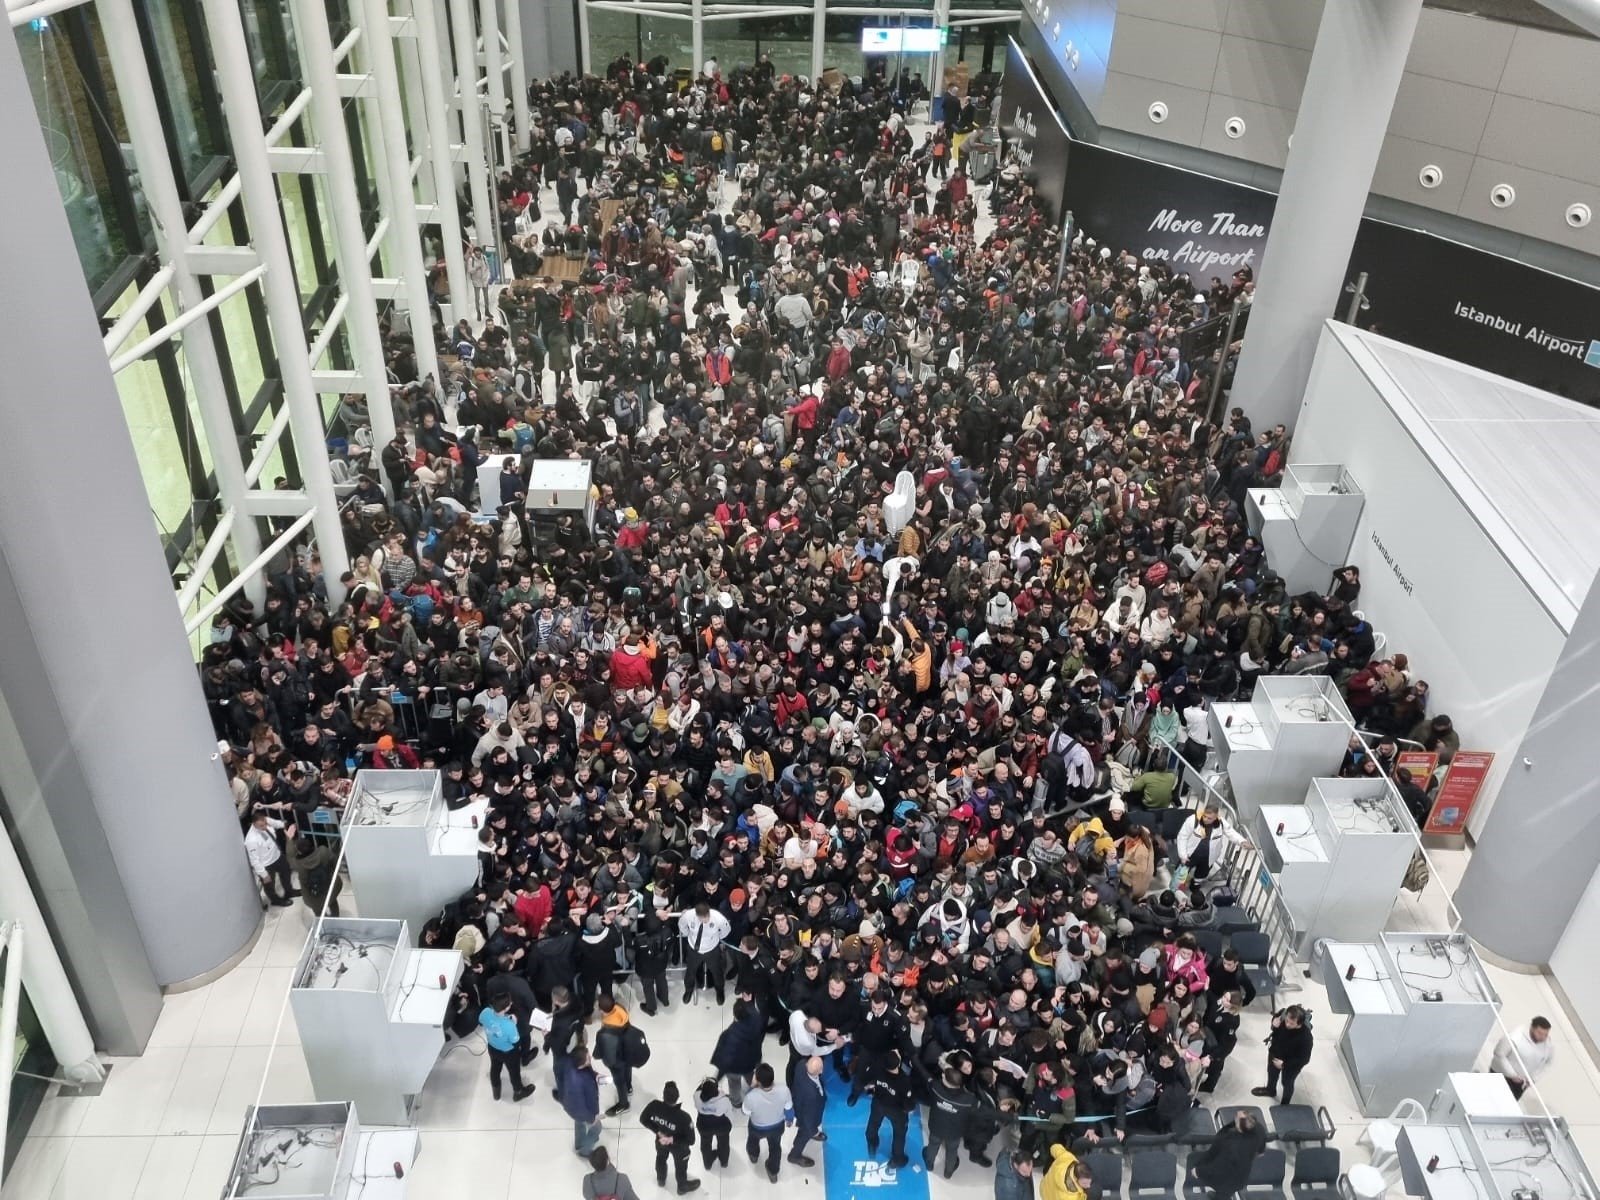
652, 953
738, 1049
949, 1107
1288, 1051
1224, 1165
555, 957
674, 1132
893, 1098
1222, 1022
597, 959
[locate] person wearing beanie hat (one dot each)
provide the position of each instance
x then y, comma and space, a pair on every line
597, 960
674, 1133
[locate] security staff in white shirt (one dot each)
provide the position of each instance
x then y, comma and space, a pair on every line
267, 861
1197, 734
1524, 1055
703, 930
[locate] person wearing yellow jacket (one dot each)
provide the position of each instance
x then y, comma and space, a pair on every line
1067, 1177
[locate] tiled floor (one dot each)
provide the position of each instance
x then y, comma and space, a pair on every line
167, 1123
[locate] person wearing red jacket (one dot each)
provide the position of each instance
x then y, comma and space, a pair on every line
802, 415
838, 365
719, 368
631, 664
535, 908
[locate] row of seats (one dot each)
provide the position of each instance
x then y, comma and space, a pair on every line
1153, 1175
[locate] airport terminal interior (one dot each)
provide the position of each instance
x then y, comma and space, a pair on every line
916, 598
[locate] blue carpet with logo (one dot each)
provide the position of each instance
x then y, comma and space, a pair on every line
848, 1173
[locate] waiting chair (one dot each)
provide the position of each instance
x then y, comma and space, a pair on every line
1255, 952
1296, 1124
1316, 1174
1106, 1169
1210, 942
1231, 919
1382, 1136
1154, 1175
1266, 1176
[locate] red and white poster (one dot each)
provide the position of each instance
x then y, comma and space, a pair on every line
1421, 764
1459, 792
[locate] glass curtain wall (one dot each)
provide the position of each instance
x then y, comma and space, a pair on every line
75, 95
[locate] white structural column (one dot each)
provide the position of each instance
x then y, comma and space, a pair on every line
242, 110
350, 238
494, 72
941, 18
819, 29
49, 989
583, 36
403, 229
697, 26
519, 76
416, 110
466, 44
440, 157
132, 74
1344, 113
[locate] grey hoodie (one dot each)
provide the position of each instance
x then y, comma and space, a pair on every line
610, 1182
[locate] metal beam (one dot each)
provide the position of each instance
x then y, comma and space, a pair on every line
355, 87
254, 568
183, 320
338, 383
142, 303
221, 260
242, 110
297, 160
440, 151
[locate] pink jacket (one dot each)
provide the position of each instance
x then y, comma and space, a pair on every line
1192, 972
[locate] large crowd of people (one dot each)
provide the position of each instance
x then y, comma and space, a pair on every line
917, 798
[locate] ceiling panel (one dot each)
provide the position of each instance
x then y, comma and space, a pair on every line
1402, 159
1544, 137
1540, 207
1126, 105
1463, 48
1261, 71
1284, 22
1553, 67
1198, 14
1266, 132
1162, 50
1441, 112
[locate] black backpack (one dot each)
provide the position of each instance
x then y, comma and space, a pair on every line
635, 1049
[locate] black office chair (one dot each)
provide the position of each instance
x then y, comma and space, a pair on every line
1195, 1128
1230, 918
1154, 1175
1296, 1124
1106, 1169
1316, 1174
1210, 942
1255, 952
1266, 1176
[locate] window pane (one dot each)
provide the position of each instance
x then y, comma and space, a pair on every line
65, 118
174, 51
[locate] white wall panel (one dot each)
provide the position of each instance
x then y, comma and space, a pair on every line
1450, 600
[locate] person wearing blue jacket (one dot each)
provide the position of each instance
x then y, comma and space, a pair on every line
1013, 1176
504, 1039
580, 1097
809, 1097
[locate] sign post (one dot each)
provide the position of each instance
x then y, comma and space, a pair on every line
1457, 794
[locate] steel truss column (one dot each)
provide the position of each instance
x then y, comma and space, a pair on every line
440, 155
242, 111
519, 76
466, 43
583, 36
349, 236
405, 46
403, 229
137, 93
494, 70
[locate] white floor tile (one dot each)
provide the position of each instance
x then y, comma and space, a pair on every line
37, 1167
241, 1084
60, 1116
135, 1094
169, 1168
211, 1166
180, 1017
194, 1097
227, 1002
476, 1164
102, 1168
268, 1019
